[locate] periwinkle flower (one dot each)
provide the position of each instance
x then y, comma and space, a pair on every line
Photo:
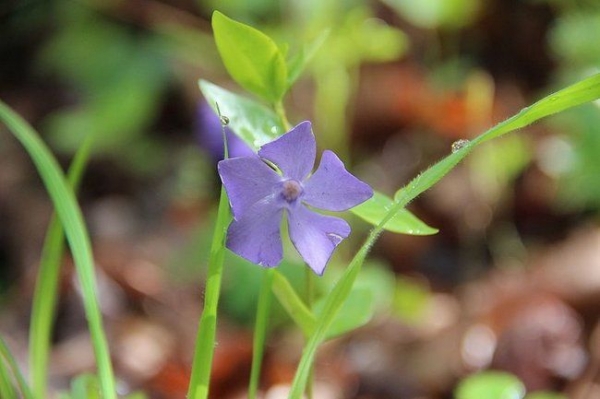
259, 197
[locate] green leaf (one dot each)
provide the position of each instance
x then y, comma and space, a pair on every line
375, 209
410, 300
252, 58
297, 64
85, 386
490, 385
437, 13
294, 306
251, 121
356, 311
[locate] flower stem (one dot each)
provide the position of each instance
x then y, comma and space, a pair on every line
260, 330
280, 111
310, 298
334, 301
205, 340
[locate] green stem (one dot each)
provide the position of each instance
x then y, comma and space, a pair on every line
336, 298
260, 330
280, 111
45, 294
310, 297
68, 211
205, 341
10, 360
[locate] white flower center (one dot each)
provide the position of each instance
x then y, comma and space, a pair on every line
291, 190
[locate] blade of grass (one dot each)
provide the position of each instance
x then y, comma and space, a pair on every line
45, 294
205, 341
260, 330
10, 360
574, 95
70, 215
6, 388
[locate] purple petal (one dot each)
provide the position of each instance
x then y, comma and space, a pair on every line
294, 153
315, 236
256, 235
333, 188
247, 181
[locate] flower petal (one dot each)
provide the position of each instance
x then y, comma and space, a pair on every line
247, 181
256, 235
315, 236
294, 153
333, 188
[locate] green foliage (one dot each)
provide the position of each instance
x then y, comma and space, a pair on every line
569, 38
119, 77
579, 185
46, 289
8, 368
375, 209
86, 386
251, 121
434, 14
71, 218
356, 311
410, 300
490, 385
298, 62
252, 58
207, 326
574, 95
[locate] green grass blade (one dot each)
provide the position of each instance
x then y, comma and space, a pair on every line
70, 215
10, 360
205, 341
45, 294
260, 331
577, 94
6, 388
574, 95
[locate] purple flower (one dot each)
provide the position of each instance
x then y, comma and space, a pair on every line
260, 195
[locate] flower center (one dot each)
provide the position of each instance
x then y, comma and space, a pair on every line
291, 190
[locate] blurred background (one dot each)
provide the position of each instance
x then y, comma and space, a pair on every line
511, 282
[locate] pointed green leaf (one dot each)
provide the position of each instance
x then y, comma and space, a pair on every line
356, 311
375, 209
252, 122
490, 385
251, 58
294, 306
297, 64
